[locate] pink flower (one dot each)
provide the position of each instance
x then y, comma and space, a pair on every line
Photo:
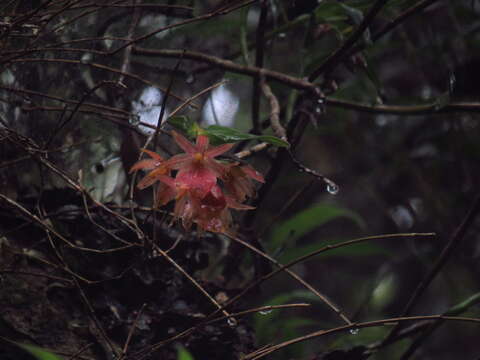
197, 168
238, 182
158, 170
198, 197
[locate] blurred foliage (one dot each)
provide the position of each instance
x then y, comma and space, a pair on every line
183, 354
397, 131
39, 353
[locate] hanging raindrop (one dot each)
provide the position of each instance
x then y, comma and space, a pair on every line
354, 331
332, 188
190, 79
232, 322
265, 312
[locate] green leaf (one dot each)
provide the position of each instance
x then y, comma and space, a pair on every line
375, 80
183, 354
185, 125
268, 326
361, 249
308, 220
357, 17
39, 353
464, 305
221, 135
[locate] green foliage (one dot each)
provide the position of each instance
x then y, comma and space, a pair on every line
361, 249
464, 305
38, 352
276, 325
185, 124
309, 219
220, 134
285, 235
183, 354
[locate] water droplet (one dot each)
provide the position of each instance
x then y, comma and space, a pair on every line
282, 36
134, 120
354, 331
333, 188
451, 82
190, 79
265, 312
318, 110
320, 101
232, 322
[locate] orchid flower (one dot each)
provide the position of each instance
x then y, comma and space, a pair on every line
198, 197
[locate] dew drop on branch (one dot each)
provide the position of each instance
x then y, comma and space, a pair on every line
354, 331
332, 188
190, 79
232, 322
265, 312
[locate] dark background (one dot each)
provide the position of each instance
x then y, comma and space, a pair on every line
393, 123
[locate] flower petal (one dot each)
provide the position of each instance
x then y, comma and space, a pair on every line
231, 203
197, 178
178, 161
153, 154
202, 143
167, 180
152, 177
217, 167
252, 173
218, 150
164, 195
145, 164
146, 181
186, 145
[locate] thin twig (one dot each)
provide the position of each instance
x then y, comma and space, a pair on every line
152, 348
131, 331
253, 150
194, 97
442, 259
277, 127
430, 328
259, 55
323, 249
96, 66
337, 56
193, 281
61, 125
414, 9
332, 187
47, 227
80, 351
163, 105
324, 299
127, 55
95, 320
354, 326
47, 276
418, 110
211, 15
32, 148
294, 82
